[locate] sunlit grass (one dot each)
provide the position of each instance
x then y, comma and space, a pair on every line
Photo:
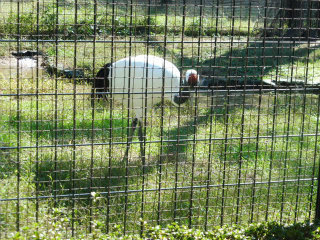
220, 158
66, 150
207, 25
75, 168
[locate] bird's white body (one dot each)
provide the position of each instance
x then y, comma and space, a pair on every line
139, 83
143, 79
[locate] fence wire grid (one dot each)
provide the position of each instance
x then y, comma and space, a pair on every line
241, 147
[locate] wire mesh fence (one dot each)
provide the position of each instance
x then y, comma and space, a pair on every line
232, 142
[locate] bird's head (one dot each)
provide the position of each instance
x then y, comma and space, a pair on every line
192, 78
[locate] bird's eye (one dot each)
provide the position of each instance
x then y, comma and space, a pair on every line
193, 79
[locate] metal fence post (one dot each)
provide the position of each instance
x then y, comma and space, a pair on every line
317, 216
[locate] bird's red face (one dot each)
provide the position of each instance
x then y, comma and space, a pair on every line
193, 79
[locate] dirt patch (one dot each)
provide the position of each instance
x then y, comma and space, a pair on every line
25, 67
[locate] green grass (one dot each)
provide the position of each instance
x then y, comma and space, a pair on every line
78, 170
265, 230
84, 171
87, 163
120, 25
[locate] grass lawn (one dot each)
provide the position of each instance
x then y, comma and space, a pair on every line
226, 157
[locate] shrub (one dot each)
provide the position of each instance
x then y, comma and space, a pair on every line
48, 21
265, 231
27, 24
194, 29
144, 24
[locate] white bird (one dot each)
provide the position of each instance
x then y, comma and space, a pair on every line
140, 82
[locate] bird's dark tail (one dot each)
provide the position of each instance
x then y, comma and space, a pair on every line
101, 83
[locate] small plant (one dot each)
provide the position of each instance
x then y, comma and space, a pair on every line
27, 22
265, 231
48, 21
147, 24
196, 28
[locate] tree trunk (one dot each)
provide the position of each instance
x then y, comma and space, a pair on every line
315, 22
294, 14
296, 19
165, 1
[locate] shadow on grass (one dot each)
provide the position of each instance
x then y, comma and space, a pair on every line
182, 137
76, 176
243, 63
251, 63
64, 133
239, 67
66, 175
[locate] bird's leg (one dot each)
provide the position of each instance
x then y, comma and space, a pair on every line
129, 139
141, 139
191, 103
93, 96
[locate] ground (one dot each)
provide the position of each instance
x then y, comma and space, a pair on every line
225, 157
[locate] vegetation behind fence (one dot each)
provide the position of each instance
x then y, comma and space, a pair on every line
244, 149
